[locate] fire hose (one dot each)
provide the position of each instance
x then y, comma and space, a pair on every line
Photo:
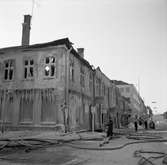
149, 160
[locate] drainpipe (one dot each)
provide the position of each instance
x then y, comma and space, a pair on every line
3, 111
93, 110
66, 118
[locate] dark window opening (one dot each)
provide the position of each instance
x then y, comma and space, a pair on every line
52, 70
47, 60
26, 62
25, 73
31, 62
10, 74
6, 74
7, 65
31, 72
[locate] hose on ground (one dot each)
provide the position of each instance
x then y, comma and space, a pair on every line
143, 159
143, 136
35, 143
114, 148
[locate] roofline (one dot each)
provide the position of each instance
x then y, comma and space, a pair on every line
63, 41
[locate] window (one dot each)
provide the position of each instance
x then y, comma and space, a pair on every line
28, 68
72, 70
91, 81
50, 67
103, 89
127, 89
82, 76
9, 70
98, 87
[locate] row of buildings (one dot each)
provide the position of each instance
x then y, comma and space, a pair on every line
51, 85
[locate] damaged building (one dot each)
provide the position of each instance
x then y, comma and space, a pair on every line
44, 85
52, 85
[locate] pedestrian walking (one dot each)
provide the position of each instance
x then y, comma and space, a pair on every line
110, 129
109, 133
152, 124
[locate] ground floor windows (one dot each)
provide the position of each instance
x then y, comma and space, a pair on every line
26, 110
8, 109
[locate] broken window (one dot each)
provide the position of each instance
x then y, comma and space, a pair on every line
28, 69
9, 69
50, 67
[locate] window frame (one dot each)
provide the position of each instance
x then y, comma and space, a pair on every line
7, 69
82, 76
28, 67
50, 64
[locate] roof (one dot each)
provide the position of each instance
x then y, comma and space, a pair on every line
119, 82
63, 41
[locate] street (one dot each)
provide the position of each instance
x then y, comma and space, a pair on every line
87, 151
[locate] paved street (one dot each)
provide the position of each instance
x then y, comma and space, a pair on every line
72, 152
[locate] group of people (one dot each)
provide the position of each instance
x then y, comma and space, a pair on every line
147, 124
138, 121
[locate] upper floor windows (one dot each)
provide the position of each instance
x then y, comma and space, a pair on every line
72, 70
28, 69
50, 66
82, 76
91, 81
9, 69
127, 89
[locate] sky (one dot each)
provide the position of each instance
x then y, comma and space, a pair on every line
127, 39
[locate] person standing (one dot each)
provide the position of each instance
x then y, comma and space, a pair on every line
146, 124
136, 124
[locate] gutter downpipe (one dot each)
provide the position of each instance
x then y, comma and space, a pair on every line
66, 110
93, 110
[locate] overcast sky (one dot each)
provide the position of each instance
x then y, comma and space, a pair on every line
126, 38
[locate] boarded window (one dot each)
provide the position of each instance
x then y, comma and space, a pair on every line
26, 110
8, 69
8, 108
48, 110
50, 67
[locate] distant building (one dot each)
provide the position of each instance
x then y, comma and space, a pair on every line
129, 91
101, 86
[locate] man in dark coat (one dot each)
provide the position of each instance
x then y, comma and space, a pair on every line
110, 129
136, 123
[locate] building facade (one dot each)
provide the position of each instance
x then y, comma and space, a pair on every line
101, 87
45, 85
51, 85
130, 92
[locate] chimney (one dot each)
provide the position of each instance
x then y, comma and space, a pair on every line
26, 30
81, 52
